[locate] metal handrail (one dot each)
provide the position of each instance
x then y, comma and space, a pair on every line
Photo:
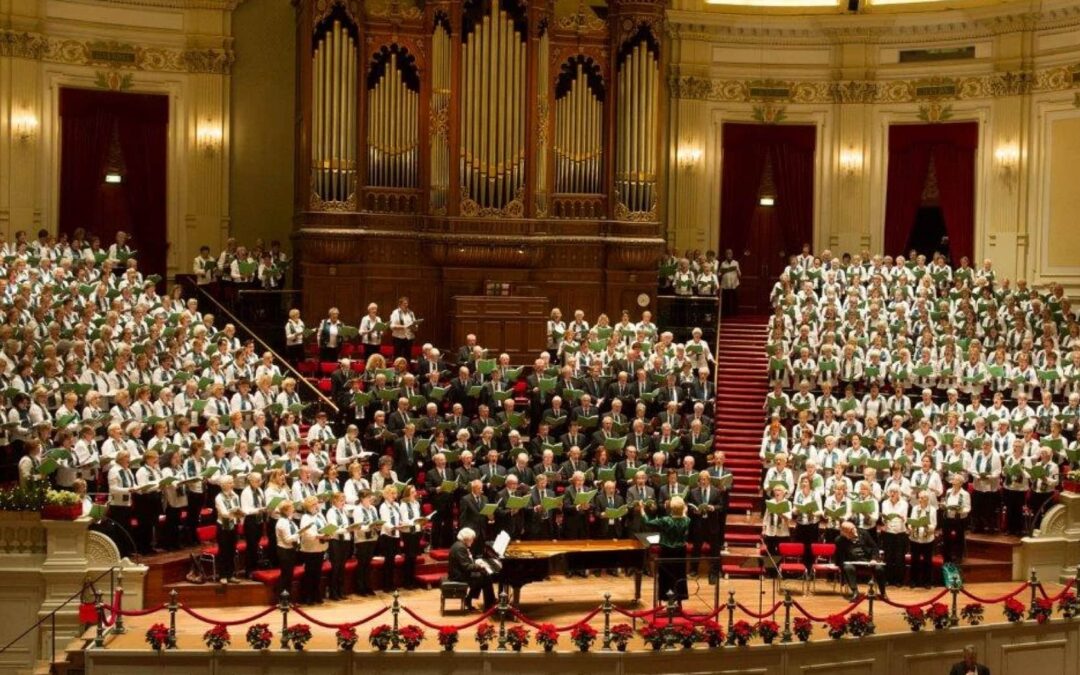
322, 398
51, 616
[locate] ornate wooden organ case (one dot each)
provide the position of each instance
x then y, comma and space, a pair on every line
445, 144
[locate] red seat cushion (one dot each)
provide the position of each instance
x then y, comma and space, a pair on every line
269, 577
440, 554
430, 578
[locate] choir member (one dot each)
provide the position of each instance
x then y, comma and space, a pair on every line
366, 516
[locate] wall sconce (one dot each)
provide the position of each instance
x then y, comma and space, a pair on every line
1007, 157
208, 137
687, 157
24, 126
851, 161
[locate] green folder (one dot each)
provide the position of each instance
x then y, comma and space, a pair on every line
777, 364
485, 366
604, 475
546, 384
489, 509
616, 513
778, 508
515, 420
515, 502
572, 394
837, 514
615, 444
809, 508
1055, 444
631, 471
863, 508
417, 401
551, 503
496, 480
556, 422
881, 464
671, 445
924, 371
437, 393
584, 497
917, 523
329, 530
501, 395
388, 394
872, 372
722, 482
475, 390
362, 399
273, 504
588, 421
1038, 472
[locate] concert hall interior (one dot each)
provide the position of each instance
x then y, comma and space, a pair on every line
562, 331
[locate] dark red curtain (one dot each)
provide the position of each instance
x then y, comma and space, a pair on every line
790, 148
89, 119
952, 147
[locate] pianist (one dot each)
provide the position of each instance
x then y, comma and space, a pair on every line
468, 570
854, 549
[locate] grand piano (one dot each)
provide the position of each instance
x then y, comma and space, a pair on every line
528, 561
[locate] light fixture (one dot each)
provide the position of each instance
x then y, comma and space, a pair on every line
767, 201
851, 161
1007, 157
24, 125
688, 156
208, 137
113, 178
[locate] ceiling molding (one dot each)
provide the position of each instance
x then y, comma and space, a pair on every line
219, 5
38, 47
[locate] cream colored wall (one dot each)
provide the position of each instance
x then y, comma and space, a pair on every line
1063, 220
263, 92
846, 78
182, 50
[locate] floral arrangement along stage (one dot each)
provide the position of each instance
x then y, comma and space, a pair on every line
217, 638
297, 635
711, 634
972, 613
547, 637
411, 636
860, 624
448, 638
346, 638
160, 637
836, 625
1069, 606
583, 636
803, 628
1014, 610
741, 633
620, 635
381, 637
517, 637
939, 615
768, 630
915, 618
1044, 607
258, 636
485, 633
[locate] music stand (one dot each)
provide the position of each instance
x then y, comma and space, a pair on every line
764, 563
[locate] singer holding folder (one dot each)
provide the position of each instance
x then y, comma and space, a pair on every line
673, 529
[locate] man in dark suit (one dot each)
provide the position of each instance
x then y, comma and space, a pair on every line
640, 438
594, 386
339, 379
575, 516
620, 390
469, 513
539, 522
607, 498
639, 491
969, 666
705, 522
427, 425
555, 413
573, 437
442, 526
465, 569
494, 391
857, 546
521, 469
631, 464
586, 409
459, 387
512, 521
407, 460
492, 473
430, 363
397, 420
468, 471
671, 416
409, 389
465, 352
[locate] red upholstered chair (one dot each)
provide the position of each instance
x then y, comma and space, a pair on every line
823, 564
791, 565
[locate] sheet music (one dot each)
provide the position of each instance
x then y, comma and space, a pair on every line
652, 539
500, 543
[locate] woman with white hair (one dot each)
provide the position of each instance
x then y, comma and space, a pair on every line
894, 538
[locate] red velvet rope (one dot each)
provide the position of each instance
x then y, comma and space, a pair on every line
559, 629
993, 601
746, 610
701, 618
1059, 596
461, 627
138, 612
914, 605
236, 622
850, 608
335, 626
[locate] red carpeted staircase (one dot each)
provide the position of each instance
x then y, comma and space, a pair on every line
739, 419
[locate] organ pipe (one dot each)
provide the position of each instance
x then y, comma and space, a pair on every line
636, 154
440, 105
579, 137
493, 107
333, 146
393, 128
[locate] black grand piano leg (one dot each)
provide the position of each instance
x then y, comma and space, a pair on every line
637, 586
516, 601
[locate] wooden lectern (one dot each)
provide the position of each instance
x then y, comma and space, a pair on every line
516, 325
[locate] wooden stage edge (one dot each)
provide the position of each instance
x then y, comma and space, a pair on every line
561, 601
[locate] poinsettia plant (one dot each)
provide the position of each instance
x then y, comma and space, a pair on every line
258, 636
620, 635
297, 635
973, 613
915, 618
803, 628
411, 636
654, 636
217, 638
860, 624
1044, 607
768, 630
517, 637
583, 636
711, 634
1014, 610
448, 637
939, 615
346, 638
683, 634
1069, 606
547, 636
381, 637
485, 633
160, 637
741, 633
837, 626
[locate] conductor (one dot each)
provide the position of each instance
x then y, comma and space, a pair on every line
855, 548
466, 569
673, 529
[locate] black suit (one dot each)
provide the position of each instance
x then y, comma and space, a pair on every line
339, 382
406, 459
962, 669
464, 569
575, 521
525, 475
442, 525
512, 523
863, 548
705, 528
602, 528
469, 516
424, 367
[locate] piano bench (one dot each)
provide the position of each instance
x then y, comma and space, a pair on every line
452, 590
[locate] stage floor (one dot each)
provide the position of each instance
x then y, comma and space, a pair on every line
560, 601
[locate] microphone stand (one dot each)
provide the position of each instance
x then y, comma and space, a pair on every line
776, 572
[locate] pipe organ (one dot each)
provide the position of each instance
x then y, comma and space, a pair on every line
512, 140
579, 141
334, 132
